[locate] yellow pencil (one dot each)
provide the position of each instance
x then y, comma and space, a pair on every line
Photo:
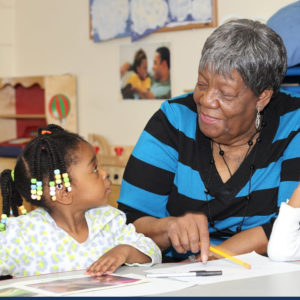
223, 254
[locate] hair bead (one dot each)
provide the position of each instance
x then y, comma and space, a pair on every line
67, 183
23, 210
3, 222
46, 132
33, 187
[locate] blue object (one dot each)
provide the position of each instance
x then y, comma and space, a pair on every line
286, 22
291, 82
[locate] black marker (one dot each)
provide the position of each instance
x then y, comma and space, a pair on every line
186, 274
3, 277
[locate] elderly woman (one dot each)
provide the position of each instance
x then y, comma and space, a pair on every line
219, 161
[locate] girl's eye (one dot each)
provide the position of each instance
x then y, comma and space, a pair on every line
95, 169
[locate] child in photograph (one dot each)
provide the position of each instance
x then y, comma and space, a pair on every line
284, 243
73, 228
138, 81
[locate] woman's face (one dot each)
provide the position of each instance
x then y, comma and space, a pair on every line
226, 107
142, 70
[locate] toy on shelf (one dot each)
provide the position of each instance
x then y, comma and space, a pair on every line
112, 158
27, 103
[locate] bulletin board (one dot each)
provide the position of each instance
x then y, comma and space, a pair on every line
110, 19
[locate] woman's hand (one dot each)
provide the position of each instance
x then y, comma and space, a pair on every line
116, 257
187, 231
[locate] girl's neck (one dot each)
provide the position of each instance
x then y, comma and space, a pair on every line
74, 224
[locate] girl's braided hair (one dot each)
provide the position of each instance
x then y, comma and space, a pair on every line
52, 149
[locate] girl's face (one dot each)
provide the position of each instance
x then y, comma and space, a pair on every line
90, 184
142, 69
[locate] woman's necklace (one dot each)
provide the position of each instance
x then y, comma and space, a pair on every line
222, 153
247, 197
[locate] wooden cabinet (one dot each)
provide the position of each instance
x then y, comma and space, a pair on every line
27, 103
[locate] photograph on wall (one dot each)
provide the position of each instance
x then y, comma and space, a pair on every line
145, 71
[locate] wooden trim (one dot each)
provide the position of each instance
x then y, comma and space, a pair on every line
24, 81
23, 116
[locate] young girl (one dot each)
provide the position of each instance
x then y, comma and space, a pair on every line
73, 227
284, 243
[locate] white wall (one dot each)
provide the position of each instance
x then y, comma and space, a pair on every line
6, 37
52, 37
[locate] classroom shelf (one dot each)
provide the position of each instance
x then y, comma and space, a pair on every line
23, 116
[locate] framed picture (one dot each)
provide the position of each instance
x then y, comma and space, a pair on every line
110, 19
191, 14
145, 71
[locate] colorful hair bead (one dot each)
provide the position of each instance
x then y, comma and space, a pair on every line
57, 177
46, 132
67, 182
33, 190
23, 210
12, 174
52, 190
39, 190
3, 222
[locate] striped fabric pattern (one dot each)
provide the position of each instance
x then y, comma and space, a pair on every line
168, 170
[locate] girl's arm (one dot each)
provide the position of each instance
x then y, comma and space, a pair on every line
295, 198
284, 243
130, 248
116, 257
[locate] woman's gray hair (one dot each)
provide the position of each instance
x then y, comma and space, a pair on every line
249, 47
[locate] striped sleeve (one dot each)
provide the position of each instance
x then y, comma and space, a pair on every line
149, 174
288, 130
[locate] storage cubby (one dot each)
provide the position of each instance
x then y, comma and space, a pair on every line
26, 103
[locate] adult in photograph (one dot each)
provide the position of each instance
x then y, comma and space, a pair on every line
214, 165
160, 78
160, 85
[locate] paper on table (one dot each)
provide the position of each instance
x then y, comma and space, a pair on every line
73, 284
145, 288
152, 287
260, 266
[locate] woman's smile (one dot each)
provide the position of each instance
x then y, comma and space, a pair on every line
206, 119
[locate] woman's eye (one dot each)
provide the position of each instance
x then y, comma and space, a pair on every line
201, 84
95, 169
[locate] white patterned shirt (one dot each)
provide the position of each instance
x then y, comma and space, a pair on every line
284, 242
33, 244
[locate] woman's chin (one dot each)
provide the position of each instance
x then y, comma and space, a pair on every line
209, 131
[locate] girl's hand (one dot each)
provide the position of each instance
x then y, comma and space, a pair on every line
110, 261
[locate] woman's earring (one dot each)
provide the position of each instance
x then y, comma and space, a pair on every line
257, 120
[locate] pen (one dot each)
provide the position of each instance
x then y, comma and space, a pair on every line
226, 255
186, 274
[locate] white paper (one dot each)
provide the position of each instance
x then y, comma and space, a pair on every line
144, 288
152, 287
260, 266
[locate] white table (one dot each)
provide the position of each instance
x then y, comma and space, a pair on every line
284, 284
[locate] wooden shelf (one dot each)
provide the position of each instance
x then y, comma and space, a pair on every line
23, 116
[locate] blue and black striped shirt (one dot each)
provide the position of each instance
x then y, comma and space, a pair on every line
170, 167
